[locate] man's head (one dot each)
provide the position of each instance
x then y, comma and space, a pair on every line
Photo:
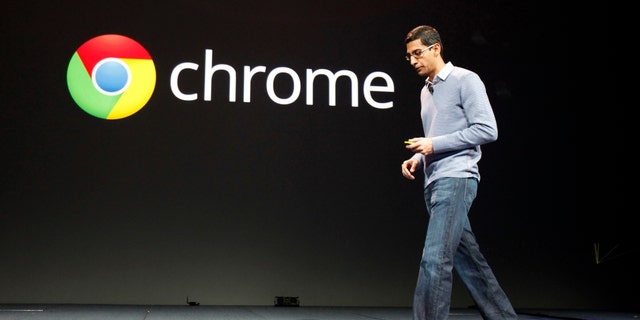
424, 49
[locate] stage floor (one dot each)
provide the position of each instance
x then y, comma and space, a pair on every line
157, 312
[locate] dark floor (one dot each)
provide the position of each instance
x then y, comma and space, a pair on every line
156, 312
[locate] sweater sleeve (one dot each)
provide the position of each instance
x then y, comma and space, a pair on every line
481, 127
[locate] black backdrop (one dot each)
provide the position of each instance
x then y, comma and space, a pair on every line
234, 203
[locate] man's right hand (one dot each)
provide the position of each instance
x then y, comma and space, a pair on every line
408, 168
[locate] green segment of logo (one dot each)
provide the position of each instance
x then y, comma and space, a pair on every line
84, 93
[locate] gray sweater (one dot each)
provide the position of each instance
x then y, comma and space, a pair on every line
458, 118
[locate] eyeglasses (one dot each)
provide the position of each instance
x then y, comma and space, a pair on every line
417, 53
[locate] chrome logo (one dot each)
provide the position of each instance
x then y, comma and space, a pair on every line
111, 76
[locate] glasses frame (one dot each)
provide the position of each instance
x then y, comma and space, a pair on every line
417, 53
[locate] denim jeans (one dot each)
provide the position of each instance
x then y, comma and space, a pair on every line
450, 244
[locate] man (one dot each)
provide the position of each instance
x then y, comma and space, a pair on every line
457, 118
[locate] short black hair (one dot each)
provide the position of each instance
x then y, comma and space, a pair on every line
428, 35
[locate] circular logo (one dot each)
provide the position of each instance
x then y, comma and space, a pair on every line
111, 76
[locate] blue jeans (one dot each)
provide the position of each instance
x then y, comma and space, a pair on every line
450, 244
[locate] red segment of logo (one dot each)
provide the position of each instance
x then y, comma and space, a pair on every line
110, 46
